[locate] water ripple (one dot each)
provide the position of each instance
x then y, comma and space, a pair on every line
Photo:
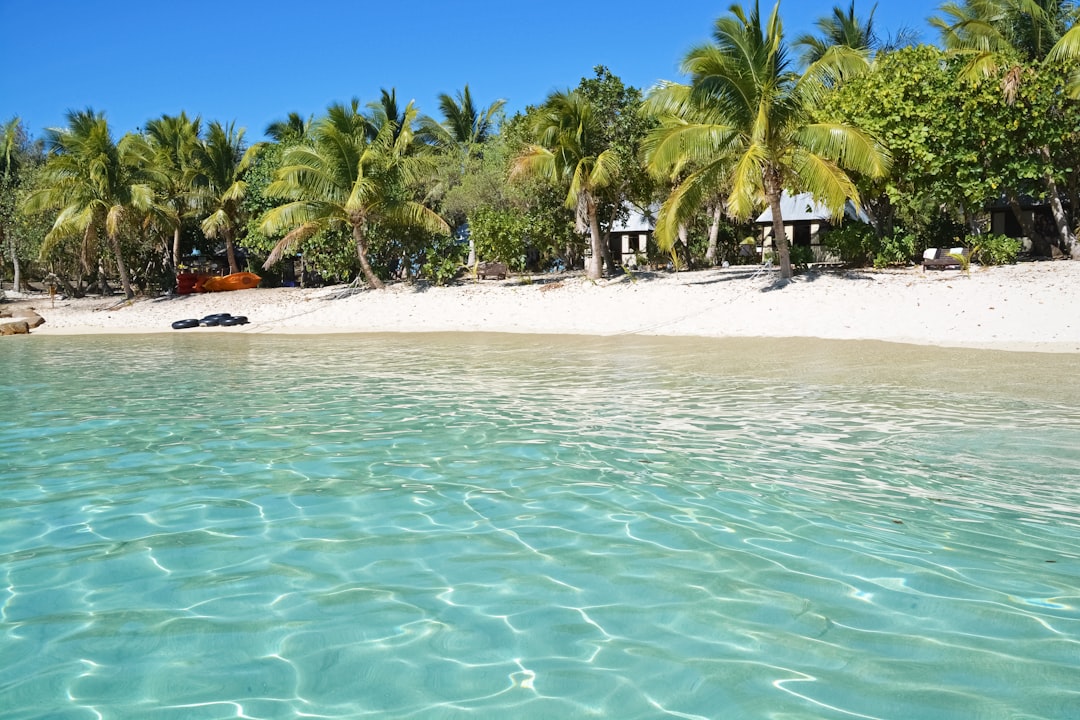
493, 527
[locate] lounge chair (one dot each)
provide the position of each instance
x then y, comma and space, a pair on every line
945, 257
496, 270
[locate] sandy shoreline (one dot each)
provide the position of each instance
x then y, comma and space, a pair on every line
1027, 307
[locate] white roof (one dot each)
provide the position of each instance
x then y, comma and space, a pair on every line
803, 208
636, 221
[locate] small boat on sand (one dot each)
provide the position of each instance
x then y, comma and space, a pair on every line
236, 281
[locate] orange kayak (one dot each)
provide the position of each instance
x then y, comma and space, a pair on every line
236, 281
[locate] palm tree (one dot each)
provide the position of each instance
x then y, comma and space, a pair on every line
465, 127
992, 33
168, 145
569, 149
354, 173
745, 119
841, 29
93, 185
460, 136
293, 129
218, 175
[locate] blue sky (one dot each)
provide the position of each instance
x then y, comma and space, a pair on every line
254, 62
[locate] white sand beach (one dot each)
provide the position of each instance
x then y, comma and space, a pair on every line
1027, 307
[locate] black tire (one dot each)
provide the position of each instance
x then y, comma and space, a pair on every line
216, 316
185, 324
237, 320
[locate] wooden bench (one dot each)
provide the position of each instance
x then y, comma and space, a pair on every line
496, 270
945, 257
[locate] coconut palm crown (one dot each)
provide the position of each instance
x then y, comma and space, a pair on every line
745, 121
569, 149
352, 174
95, 187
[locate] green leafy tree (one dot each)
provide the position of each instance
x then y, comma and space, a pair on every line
751, 125
1004, 38
908, 101
569, 150
93, 186
349, 177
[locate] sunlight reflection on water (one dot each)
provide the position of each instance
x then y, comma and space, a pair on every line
452, 526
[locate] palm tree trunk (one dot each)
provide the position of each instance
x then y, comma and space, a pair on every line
605, 248
714, 233
593, 271
121, 267
16, 268
176, 249
362, 255
780, 240
230, 251
683, 256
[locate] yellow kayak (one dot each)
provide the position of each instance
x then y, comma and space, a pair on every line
236, 281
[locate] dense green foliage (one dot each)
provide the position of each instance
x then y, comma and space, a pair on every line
924, 139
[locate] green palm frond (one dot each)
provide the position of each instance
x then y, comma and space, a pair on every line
536, 161
826, 181
845, 146
215, 223
348, 173
1068, 47
686, 199
748, 181
291, 240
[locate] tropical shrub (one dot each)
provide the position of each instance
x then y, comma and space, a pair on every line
443, 259
499, 235
997, 250
801, 256
853, 243
897, 249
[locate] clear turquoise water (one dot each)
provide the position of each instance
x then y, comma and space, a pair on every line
498, 527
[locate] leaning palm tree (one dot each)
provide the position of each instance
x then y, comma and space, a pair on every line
348, 178
746, 119
218, 176
92, 185
569, 149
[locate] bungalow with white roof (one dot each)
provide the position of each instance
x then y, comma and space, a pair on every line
805, 221
629, 238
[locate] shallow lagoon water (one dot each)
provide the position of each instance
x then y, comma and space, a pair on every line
456, 526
